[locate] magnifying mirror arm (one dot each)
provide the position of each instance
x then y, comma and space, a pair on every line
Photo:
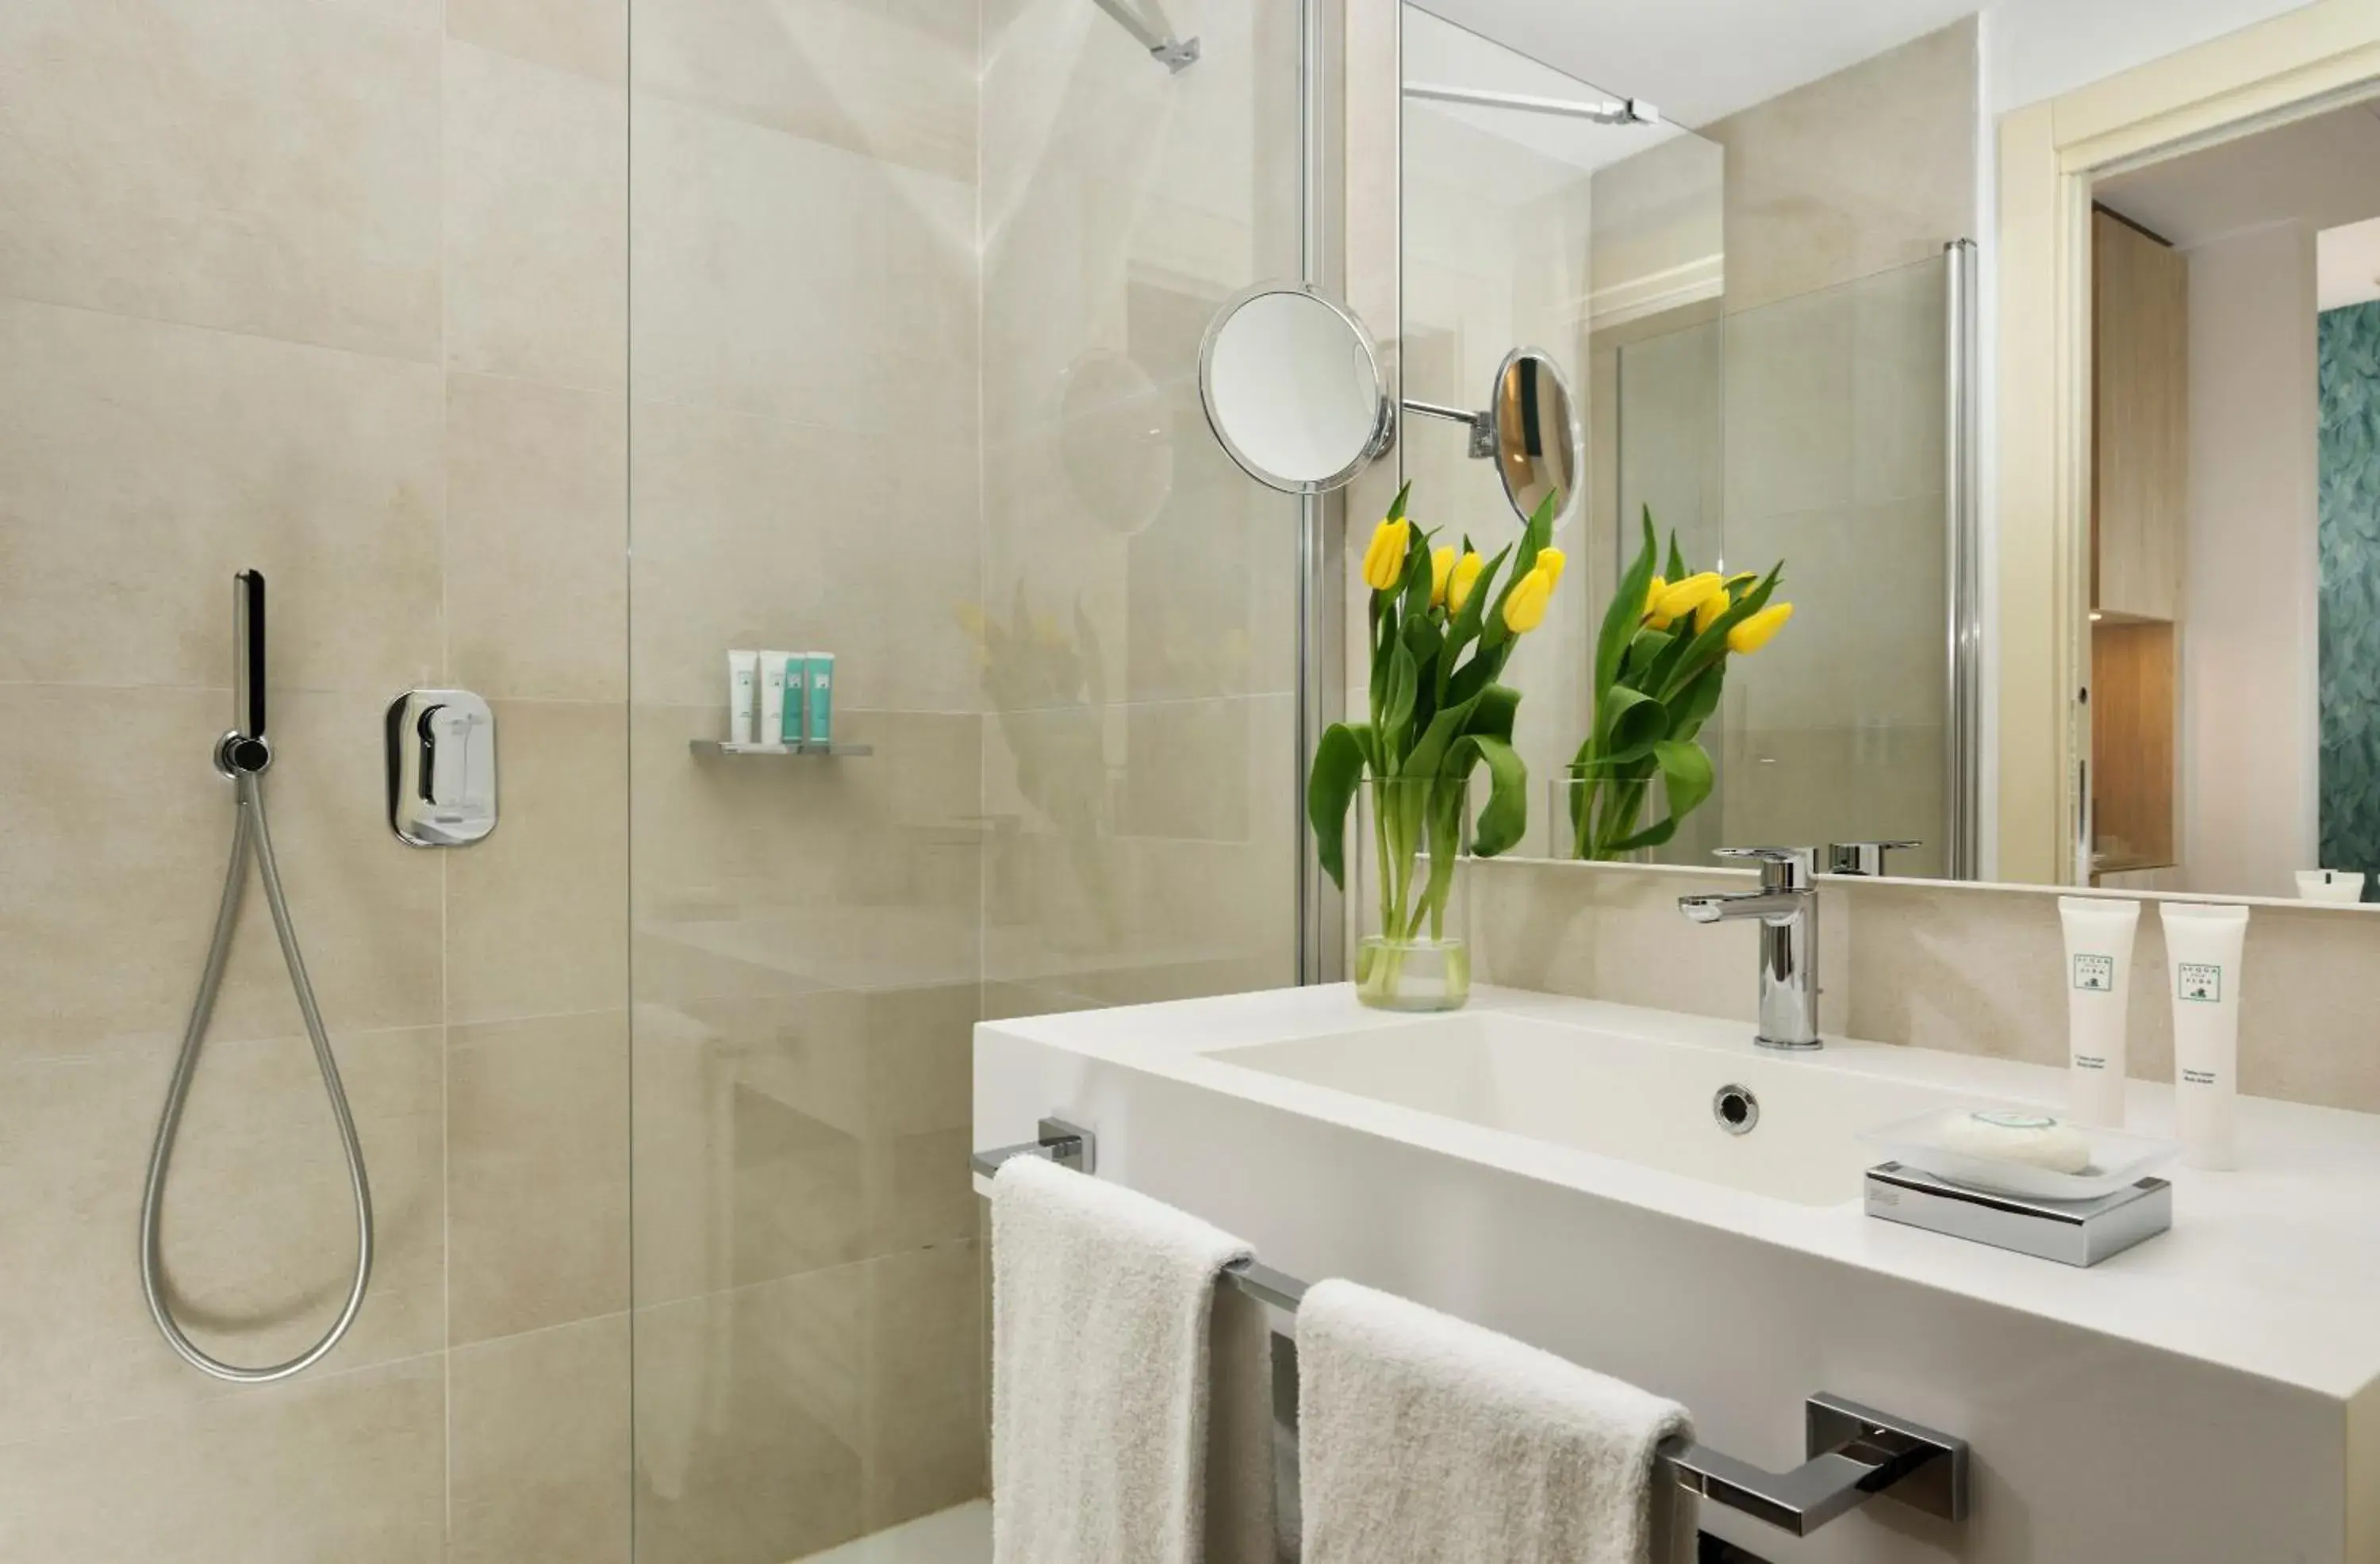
1482, 425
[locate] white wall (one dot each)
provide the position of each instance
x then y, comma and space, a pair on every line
2250, 730
2037, 49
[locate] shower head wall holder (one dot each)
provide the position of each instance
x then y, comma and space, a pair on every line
244, 751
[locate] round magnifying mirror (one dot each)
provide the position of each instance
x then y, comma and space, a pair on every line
1540, 446
1293, 388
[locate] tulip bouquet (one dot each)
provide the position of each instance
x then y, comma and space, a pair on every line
1660, 665
1441, 632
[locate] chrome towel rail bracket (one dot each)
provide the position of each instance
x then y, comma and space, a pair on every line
1855, 1452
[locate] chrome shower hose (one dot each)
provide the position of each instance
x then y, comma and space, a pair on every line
252, 834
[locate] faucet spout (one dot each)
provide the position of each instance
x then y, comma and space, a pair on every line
1769, 906
1786, 908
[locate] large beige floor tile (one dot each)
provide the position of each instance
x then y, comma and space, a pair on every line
541, 1455
259, 1231
537, 1173
893, 81
537, 540
114, 855
780, 276
537, 222
537, 913
751, 1429
588, 36
349, 1467
926, 1375
779, 1134
264, 165
758, 534
142, 464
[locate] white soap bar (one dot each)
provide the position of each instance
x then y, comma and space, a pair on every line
2033, 1139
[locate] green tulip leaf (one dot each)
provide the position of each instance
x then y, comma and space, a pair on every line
1504, 818
1338, 762
1686, 770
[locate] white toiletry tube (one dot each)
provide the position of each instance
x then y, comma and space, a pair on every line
2098, 998
743, 679
771, 728
2201, 952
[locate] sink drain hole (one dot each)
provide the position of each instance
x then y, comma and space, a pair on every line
1735, 1109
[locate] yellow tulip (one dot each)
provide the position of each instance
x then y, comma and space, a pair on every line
1553, 562
1384, 559
1705, 616
1466, 578
1754, 632
1441, 573
1688, 595
1525, 605
1653, 614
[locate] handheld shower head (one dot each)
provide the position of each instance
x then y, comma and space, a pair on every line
245, 749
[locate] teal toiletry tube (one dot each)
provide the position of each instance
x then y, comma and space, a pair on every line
819, 689
794, 720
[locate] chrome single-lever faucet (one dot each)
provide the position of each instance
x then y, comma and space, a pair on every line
1787, 906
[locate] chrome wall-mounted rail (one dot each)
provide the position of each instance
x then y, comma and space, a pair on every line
1855, 1452
1615, 111
1169, 49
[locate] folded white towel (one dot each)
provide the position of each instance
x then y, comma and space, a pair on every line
1109, 1342
1430, 1441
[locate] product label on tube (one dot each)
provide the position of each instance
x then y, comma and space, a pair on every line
2096, 974
2198, 982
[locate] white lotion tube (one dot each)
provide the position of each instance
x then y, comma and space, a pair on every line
771, 728
742, 678
2098, 998
2202, 951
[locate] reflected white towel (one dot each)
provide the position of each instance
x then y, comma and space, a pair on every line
1131, 1421
1426, 1439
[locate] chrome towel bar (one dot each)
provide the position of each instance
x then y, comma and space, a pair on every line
1855, 1452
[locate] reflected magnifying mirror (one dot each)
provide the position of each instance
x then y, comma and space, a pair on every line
1293, 388
1530, 430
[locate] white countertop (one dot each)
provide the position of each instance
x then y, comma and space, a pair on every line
2272, 1270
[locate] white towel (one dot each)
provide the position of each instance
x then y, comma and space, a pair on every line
1427, 1439
1109, 1340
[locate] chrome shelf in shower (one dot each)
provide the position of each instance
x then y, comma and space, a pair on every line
709, 748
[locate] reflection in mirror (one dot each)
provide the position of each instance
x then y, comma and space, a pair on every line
1760, 350
1293, 388
2234, 546
1540, 447
1530, 430
1114, 440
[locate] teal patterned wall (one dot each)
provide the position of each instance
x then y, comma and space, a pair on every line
2350, 588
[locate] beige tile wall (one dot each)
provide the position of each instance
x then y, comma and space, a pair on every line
806, 948
1965, 968
337, 292
1136, 624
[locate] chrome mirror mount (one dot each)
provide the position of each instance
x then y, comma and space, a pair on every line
1530, 430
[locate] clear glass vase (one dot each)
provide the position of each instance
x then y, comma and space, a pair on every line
1594, 812
1411, 855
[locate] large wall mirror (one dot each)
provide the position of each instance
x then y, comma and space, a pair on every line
1768, 367
2153, 664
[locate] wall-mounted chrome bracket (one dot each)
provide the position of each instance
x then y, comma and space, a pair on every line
1069, 1145
442, 767
1174, 53
1482, 425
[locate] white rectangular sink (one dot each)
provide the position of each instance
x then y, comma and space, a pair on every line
1783, 1126
1552, 1169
